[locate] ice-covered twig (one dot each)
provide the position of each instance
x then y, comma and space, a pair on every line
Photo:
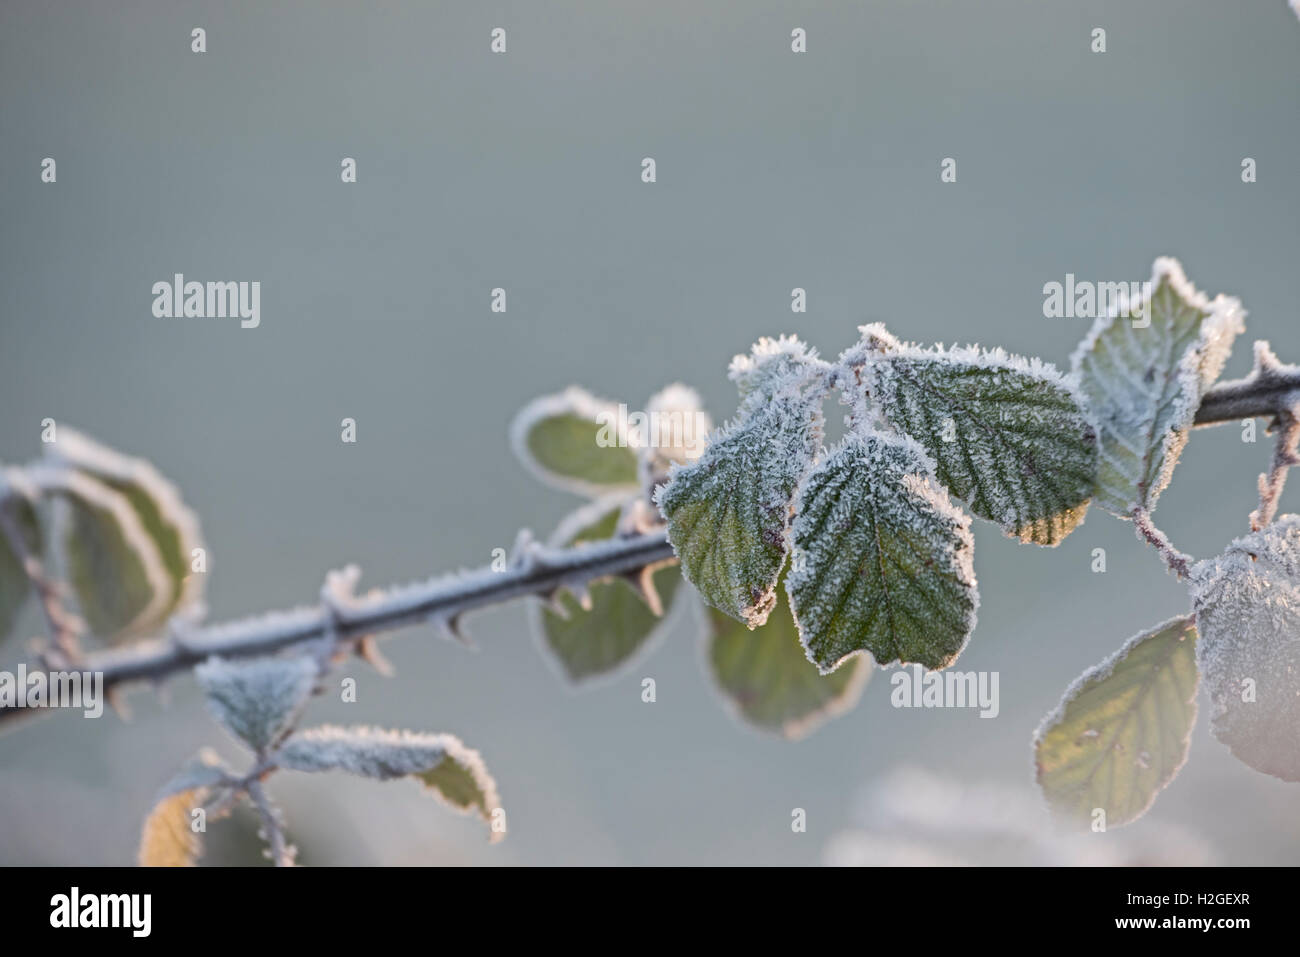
1286, 428
281, 853
1268, 390
1271, 483
1178, 562
536, 570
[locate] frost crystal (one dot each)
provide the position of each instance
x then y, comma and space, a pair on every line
1145, 382
1248, 613
772, 363
729, 511
1008, 435
885, 559
257, 700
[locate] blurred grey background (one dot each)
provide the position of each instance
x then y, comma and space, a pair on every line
775, 170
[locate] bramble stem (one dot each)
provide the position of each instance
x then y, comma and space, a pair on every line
535, 570
1268, 391
1271, 390
281, 853
1179, 562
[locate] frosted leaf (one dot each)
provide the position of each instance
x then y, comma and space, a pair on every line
575, 442
172, 526
1008, 435
450, 771
257, 700
1144, 385
1122, 730
771, 365
168, 838
112, 562
770, 682
15, 586
885, 560
595, 641
367, 752
729, 511
1247, 604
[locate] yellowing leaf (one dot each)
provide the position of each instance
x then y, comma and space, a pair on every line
1122, 730
168, 839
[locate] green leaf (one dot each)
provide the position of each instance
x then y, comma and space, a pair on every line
770, 682
257, 700
453, 773
575, 442
172, 526
1122, 730
592, 642
883, 560
1009, 436
112, 563
1247, 604
728, 512
15, 586
1144, 378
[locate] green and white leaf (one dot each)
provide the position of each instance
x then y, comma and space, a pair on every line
173, 526
110, 560
259, 699
1247, 604
15, 586
575, 442
884, 562
1145, 384
769, 681
729, 511
591, 642
1122, 731
453, 773
1009, 436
